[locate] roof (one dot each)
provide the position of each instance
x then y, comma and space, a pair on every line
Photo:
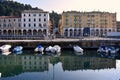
3, 17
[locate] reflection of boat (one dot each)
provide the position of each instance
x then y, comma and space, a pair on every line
108, 51
5, 48
19, 52
78, 49
78, 53
39, 48
18, 49
56, 49
6, 53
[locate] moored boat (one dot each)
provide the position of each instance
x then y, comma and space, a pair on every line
56, 49
77, 49
18, 49
39, 49
5, 48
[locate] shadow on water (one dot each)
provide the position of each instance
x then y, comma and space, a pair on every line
12, 64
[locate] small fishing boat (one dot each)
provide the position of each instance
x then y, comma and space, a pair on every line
39, 49
56, 49
48, 49
5, 48
18, 49
77, 49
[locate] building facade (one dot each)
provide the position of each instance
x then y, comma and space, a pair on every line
10, 26
94, 23
31, 24
118, 26
35, 22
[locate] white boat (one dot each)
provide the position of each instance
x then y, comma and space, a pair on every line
39, 48
18, 49
48, 49
78, 49
56, 49
5, 48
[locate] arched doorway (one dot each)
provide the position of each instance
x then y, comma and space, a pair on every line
75, 32
9, 32
19, 32
34, 32
29, 32
45, 32
97, 32
71, 32
4, 32
40, 32
66, 32
24, 32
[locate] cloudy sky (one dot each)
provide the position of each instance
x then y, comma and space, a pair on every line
78, 5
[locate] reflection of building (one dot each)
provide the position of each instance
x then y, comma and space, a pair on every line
87, 23
76, 63
35, 63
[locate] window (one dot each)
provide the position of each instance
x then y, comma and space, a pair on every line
34, 25
34, 14
44, 19
24, 14
44, 14
24, 25
39, 14
19, 25
39, 20
9, 20
29, 15
44, 25
40, 25
29, 25
29, 20
14, 19
24, 20
34, 20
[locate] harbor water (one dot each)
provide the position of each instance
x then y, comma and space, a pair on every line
63, 66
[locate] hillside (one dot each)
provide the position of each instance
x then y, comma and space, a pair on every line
11, 8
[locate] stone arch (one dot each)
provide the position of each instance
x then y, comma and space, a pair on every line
24, 32
34, 32
75, 32
9, 32
19, 32
45, 32
71, 32
40, 32
97, 32
4, 32
66, 32
29, 32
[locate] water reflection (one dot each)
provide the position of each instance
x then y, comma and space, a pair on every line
16, 64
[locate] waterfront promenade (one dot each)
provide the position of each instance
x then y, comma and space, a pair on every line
91, 42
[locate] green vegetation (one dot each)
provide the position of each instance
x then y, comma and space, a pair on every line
54, 18
11, 8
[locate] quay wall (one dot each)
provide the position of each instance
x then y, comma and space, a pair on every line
64, 43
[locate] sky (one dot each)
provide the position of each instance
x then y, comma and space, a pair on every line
112, 6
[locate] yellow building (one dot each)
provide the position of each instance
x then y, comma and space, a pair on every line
93, 23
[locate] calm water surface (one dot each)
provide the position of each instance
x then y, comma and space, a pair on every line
64, 66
